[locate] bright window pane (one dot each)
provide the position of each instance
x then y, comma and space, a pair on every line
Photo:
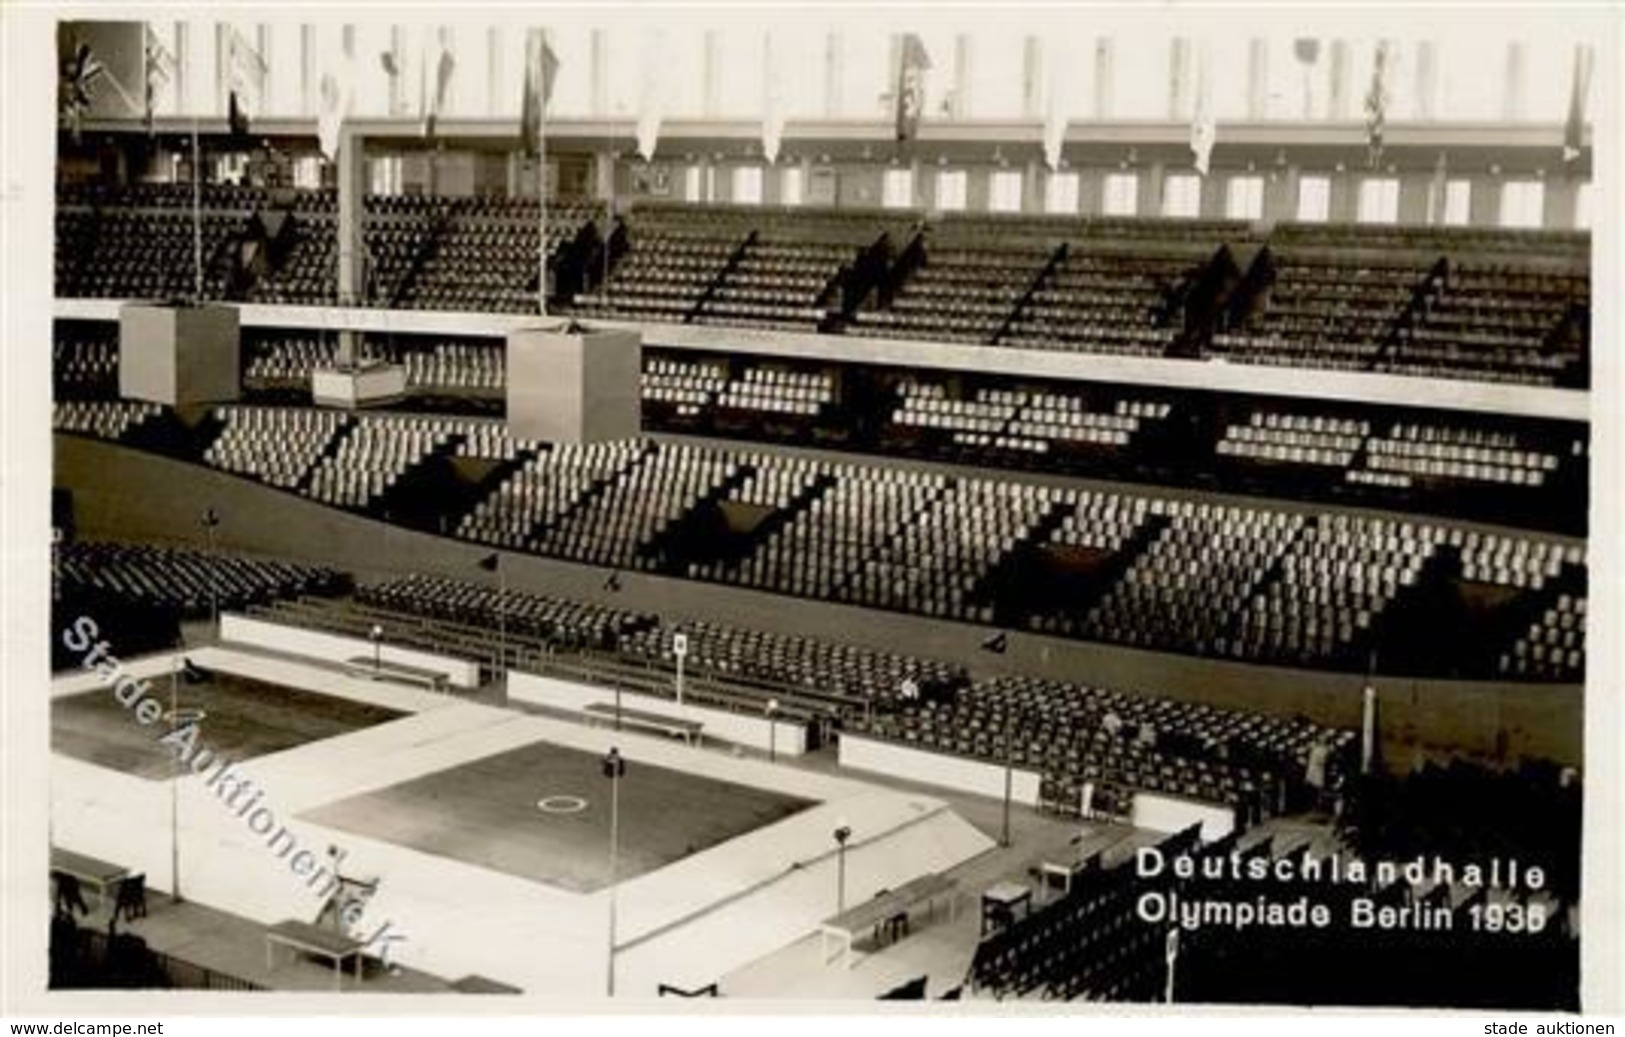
1244, 198
1314, 199
1122, 194
897, 189
1004, 193
1061, 193
1182, 196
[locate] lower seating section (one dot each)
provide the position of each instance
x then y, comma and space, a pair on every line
485, 257
1181, 592
663, 277
184, 579
778, 284
1554, 645
1460, 303
1497, 322
435, 367
957, 295
1099, 302
1251, 582
554, 621
752, 664
1021, 421
821, 547
1295, 439
689, 388
545, 489
1330, 587
375, 452
104, 419
935, 563
857, 674
84, 361
279, 447
1512, 561
398, 233
1111, 740
1088, 945
1324, 312
1412, 453
625, 515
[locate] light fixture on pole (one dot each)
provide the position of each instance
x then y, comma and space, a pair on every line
1009, 780
772, 730
210, 519
377, 636
492, 563
190, 718
842, 834
679, 648
614, 767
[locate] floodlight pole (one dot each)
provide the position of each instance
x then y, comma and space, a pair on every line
197, 214
614, 770
174, 786
502, 617
842, 834
772, 730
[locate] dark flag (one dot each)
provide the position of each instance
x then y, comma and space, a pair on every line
236, 118
444, 66
155, 74
192, 673
1574, 129
1376, 106
541, 66
490, 562
998, 644
910, 98
80, 71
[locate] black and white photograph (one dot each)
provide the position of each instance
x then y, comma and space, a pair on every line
1064, 508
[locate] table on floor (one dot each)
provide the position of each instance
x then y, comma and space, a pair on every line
999, 903
314, 939
88, 871
846, 926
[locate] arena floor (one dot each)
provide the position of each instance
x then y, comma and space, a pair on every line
542, 812
243, 719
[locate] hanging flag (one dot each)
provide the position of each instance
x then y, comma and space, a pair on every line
444, 65
330, 116
1057, 111
772, 103
652, 102
1574, 129
1204, 128
155, 73
245, 72
910, 96
1376, 105
76, 90
541, 67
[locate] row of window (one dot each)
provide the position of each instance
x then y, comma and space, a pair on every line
1522, 201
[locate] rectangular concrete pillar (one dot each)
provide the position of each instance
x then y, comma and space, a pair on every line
568, 384
179, 355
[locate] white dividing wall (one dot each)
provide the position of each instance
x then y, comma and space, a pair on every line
338, 648
744, 729
939, 769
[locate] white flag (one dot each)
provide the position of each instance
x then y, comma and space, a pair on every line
772, 102
1204, 130
334, 99
652, 103
1057, 108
